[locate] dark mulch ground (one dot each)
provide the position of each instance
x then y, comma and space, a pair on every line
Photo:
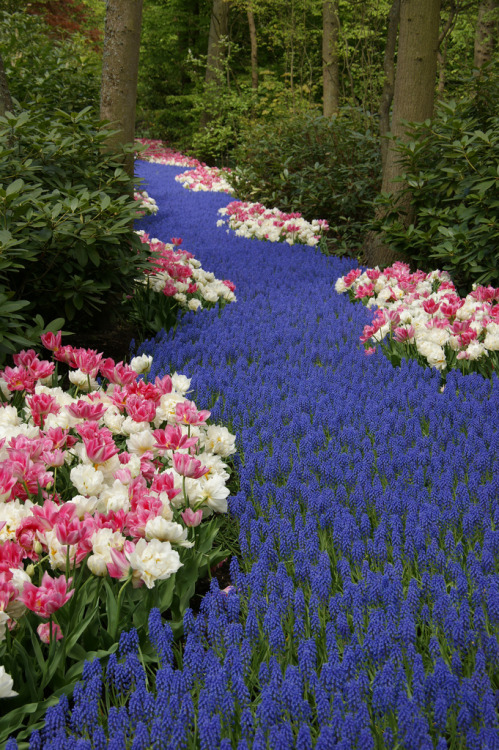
113, 341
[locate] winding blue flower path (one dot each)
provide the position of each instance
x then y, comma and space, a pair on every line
365, 610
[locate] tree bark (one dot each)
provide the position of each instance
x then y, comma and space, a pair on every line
330, 66
5, 98
389, 82
120, 66
219, 27
412, 101
485, 33
254, 49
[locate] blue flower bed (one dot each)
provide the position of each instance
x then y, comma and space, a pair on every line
365, 610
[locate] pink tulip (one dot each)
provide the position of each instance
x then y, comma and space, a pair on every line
68, 530
27, 533
19, 379
191, 517
364, 290
188, 466
11, 556
99, 451
117, 373
46, 599
164, 483
120, 566
85, 410
172, 438
186, 412
54, 458
403, 334
351, 277
87, 360
60, 438
140, 409
7, 482
40, 405
43, 631
430, 306
51, 340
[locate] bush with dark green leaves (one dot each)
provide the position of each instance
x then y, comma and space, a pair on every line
451, 174
326, 168
67, 243
62, 73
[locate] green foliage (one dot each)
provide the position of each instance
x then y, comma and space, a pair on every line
57, 73
452, 177
66, 219
326, 168
227, 111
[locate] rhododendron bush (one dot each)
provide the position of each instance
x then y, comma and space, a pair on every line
111, 494
420, 315
256, 221
175, 283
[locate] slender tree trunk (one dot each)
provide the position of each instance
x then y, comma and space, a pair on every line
442, 61
5, 98
485, 32
389, 82
330, 66
442, 45
120, 66
219, 28
412, 99
254, 49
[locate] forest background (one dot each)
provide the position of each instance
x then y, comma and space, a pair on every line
308, 101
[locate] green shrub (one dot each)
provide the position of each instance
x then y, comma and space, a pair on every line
66, 224
326, 168
452, 177
57, 73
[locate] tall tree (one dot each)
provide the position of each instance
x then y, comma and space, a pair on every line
389, 71
330, 66
412, 100
485, 32
219, 29
254, 47
120, 66
5, 98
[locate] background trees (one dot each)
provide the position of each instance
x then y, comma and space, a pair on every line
247, 83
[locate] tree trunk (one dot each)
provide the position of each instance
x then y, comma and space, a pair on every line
5, 98
485, 33
120, 66
412, 100
254, 49
219, 27
442, 45
330, 67
389, 82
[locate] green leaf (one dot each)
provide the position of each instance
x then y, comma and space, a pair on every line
14, 187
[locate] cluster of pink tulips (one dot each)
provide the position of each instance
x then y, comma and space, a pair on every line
176, 273
157, 152
114, 473
206, 179
254, 220
147, 204
422, 316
